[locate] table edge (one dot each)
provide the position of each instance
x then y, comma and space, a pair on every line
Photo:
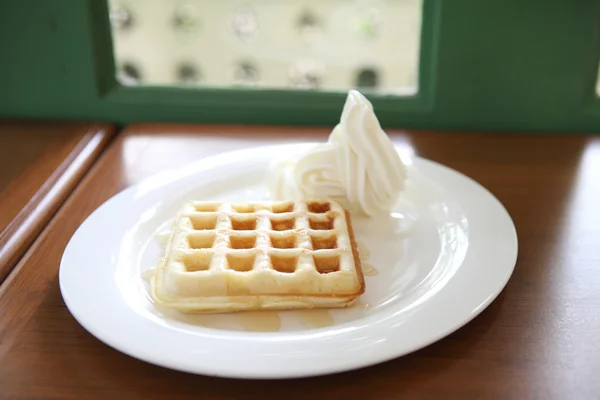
26, 226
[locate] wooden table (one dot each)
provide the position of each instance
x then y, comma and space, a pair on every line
40, 164
539, 340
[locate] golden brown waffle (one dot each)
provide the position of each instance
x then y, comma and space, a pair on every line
224, 257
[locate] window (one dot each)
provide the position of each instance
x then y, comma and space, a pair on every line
291, 44
429, 64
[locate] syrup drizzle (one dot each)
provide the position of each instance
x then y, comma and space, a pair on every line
369, 270
315, 318
363, 251
259, 321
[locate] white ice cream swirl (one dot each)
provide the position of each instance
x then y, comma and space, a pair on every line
357, 166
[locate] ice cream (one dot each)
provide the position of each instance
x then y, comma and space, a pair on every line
357, 166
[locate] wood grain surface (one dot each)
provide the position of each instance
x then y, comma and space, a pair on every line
40, 164
538, 340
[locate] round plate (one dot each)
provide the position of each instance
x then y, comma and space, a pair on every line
443, 256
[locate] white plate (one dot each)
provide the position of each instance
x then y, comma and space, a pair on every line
445, 256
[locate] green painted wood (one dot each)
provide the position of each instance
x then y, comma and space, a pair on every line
498, 65
519, 65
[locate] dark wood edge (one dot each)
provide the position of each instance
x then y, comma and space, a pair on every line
147, 128
198, 129
21, 232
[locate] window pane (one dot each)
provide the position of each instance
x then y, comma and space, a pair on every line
293, 44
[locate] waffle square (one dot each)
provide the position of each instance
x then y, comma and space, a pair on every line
227, 257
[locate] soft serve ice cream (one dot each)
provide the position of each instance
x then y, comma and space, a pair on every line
358, 165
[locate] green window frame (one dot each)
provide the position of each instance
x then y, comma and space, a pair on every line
497, 65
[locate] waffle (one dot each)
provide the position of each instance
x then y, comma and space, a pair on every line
224, 257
